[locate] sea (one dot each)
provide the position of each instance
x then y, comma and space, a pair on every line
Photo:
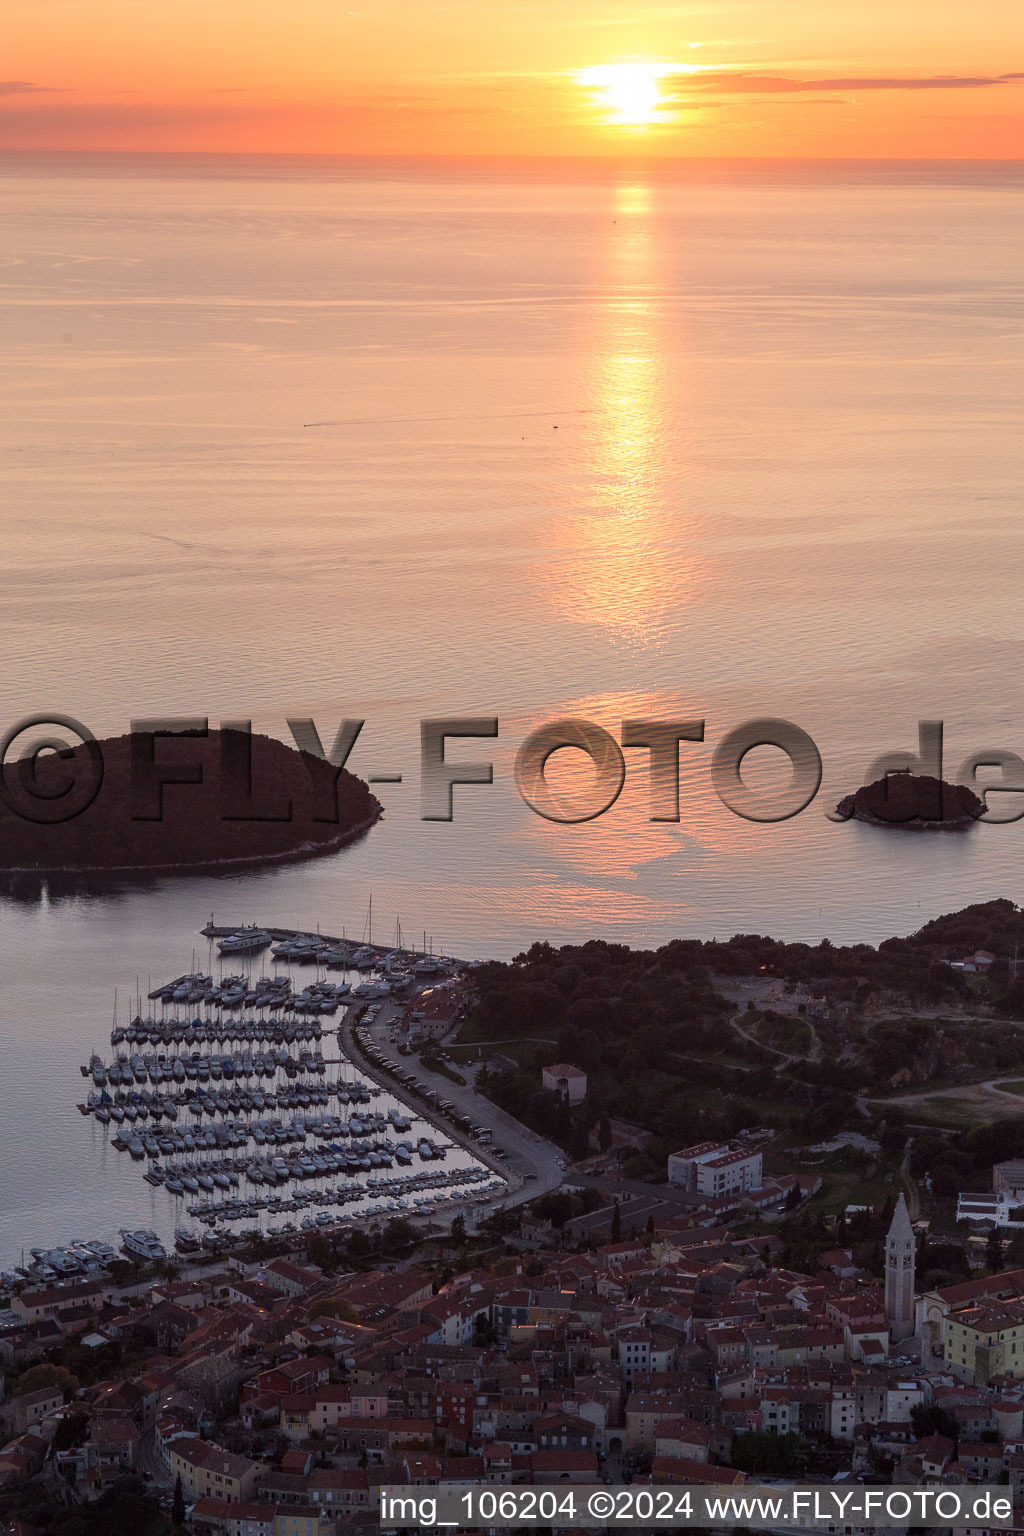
504, 441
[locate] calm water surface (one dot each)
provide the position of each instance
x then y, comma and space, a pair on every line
333, 440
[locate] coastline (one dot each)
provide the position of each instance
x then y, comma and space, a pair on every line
915, 824
302, 851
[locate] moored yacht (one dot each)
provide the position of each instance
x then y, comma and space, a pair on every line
244, 940
142, 1244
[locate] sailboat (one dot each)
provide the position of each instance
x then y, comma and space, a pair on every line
367, 955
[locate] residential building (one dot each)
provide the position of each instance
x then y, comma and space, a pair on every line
716, 1168
569, 1082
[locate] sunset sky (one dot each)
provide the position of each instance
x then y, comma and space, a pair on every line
887, 78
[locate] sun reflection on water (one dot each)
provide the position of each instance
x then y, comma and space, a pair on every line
624, 555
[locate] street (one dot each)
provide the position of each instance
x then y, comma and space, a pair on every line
533, 1166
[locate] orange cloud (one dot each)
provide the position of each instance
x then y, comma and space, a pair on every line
736, 83
23, 88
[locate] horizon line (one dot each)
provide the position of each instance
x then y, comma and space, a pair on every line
596, 158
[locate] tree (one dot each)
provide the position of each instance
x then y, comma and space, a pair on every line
994, 1251
71, 1431
484, 1332
46, 1375
558, 1207
458, 1228
178, 1504
123, 1510
319, 1251
925, 1150
642, 1457
892, 1138
926, 1421
951, 1173
502, 1223
616, 1223
793, 1198
358, 1245
941, 1263
604, 1133
399, 1234
333, 1306
761, 1451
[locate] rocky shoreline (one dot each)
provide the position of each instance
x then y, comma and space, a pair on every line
207, 866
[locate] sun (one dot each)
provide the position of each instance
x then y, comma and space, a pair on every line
630, 95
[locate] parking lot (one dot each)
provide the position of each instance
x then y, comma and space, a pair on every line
532, 1165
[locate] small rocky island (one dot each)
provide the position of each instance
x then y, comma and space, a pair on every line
186, 802
917, 801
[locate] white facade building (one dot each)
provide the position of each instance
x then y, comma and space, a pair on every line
1008, 1179
568, 1081
716, 1168
992, 1210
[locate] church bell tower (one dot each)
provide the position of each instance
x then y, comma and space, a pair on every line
900, 1260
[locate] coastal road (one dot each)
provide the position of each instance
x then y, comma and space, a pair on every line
532, 1165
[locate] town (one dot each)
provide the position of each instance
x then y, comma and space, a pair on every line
782, 1300
279, 1396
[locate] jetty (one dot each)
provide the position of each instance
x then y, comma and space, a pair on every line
275, 935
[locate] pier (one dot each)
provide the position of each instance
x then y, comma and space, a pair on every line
214, 930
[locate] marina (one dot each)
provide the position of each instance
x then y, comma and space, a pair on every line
235, 1104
